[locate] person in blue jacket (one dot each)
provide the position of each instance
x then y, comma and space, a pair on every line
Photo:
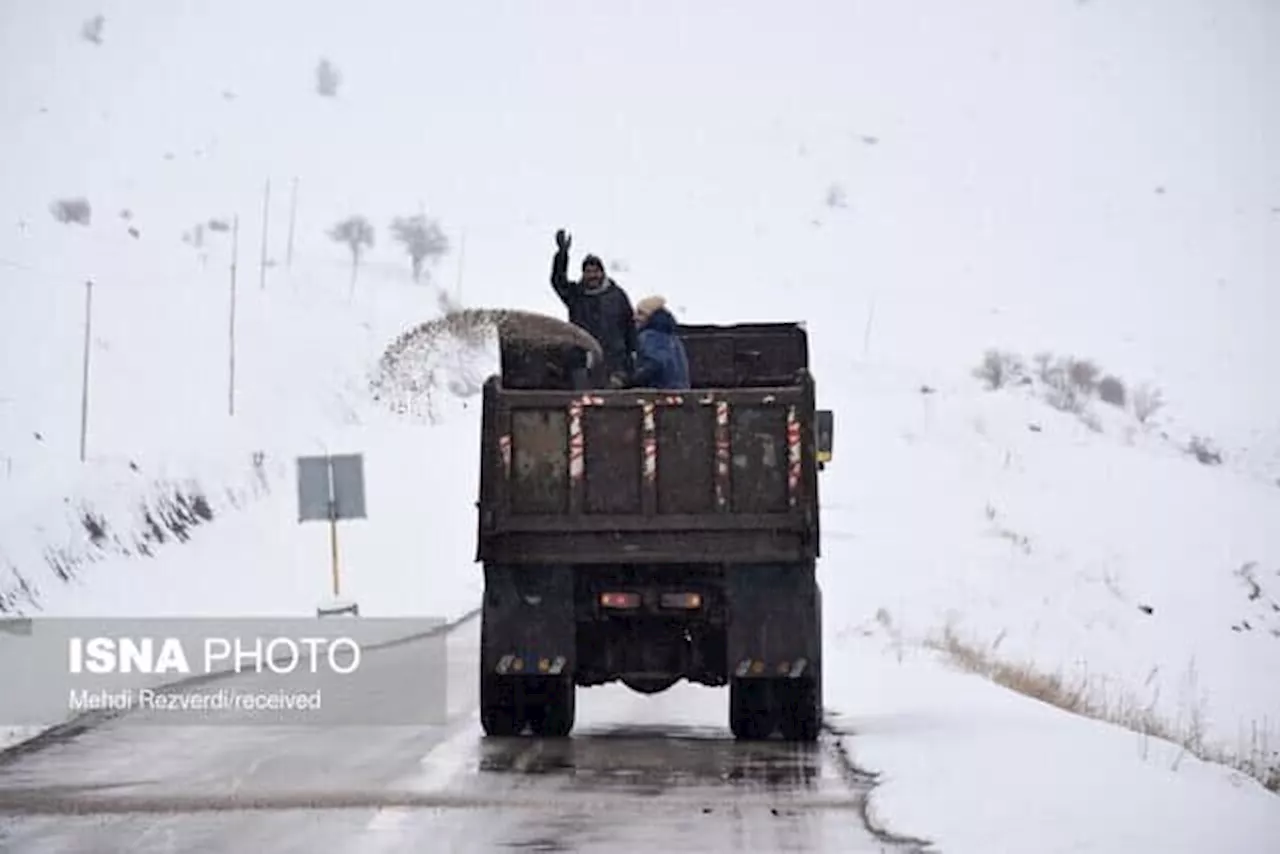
661, 361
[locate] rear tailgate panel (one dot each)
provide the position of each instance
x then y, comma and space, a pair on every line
724, 475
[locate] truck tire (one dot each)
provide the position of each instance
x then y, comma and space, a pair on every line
752, 712
801, 709
801, 704
553, 714
500, 713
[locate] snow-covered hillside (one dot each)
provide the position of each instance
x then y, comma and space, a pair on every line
919, 184
1150, 578
1104, 572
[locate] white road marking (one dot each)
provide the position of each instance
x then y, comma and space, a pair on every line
440, 766
449, 758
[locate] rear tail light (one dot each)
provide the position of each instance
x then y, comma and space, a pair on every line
620, 600
685, 601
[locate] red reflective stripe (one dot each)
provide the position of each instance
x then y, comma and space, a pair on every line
722, 451
504, 445
576, 456
793, 451
650, 443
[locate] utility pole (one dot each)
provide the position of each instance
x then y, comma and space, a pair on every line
231, 381
293, 214
266, 217
462, 256
866, 334
84, 381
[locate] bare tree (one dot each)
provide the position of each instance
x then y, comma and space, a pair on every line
1147, 401
357, 233
92, 29
1068, 382
1060, 392
1112, 391
999, 369
422, 238
1083, 374
75, 211
200, 233
195, 239
328, 78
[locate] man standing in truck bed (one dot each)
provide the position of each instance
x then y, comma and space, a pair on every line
598, 305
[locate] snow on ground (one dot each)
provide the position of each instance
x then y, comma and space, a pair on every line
297, 394
918, 184
944, 513
1124, 563
972, 767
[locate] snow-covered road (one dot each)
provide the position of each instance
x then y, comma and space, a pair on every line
640, 773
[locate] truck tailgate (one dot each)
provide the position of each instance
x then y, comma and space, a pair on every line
648, 476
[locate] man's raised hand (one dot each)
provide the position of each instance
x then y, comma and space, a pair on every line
563, 240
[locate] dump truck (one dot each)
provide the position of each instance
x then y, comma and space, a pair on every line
646, 536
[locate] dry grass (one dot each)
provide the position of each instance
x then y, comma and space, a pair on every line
1255, 756
1068, 384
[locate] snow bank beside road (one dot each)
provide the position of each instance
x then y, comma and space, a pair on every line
976, 768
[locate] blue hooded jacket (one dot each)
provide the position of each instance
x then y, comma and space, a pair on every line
661, 361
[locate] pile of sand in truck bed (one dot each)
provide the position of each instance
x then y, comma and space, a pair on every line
454, 354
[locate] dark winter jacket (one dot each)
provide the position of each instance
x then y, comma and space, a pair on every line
605, 313
661, 361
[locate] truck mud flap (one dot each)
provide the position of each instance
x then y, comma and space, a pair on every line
528, 624
775, 622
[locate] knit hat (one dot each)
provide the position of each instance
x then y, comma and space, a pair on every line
592, 261
649, 305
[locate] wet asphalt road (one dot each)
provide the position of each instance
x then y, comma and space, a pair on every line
640, 773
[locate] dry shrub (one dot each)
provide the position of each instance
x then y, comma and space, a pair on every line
1255, 754
1111, 390
72, 211
999, 369
1204, 451
1147, 401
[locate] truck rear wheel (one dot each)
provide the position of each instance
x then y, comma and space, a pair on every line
551, 711
800, 709
500, 713
801, 699
752, 713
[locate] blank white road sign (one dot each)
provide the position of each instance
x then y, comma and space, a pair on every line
339, 479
